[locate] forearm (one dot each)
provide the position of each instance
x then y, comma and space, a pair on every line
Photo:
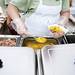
64, 17
12, 11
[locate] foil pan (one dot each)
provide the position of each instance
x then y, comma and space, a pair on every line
10, 40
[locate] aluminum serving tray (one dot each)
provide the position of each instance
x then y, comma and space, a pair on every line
17, 38
31, 39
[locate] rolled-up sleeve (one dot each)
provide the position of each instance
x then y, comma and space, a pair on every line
65, 5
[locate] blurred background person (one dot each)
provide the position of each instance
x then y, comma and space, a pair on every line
2, 12
4, 19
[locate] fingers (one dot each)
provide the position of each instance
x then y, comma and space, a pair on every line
22, 31
57, 35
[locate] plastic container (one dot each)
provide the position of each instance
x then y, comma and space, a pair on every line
17, 61
59, 59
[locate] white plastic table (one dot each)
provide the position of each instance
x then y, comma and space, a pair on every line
17, 61
59, 60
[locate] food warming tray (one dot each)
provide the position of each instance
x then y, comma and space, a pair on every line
30, 42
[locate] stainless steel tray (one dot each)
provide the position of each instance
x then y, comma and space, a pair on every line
14, 38
30, 42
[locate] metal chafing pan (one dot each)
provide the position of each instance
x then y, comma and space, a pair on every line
31, 42
8, 40
69, 38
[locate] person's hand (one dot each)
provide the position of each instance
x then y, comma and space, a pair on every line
20, 27
22, 30
58, 34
